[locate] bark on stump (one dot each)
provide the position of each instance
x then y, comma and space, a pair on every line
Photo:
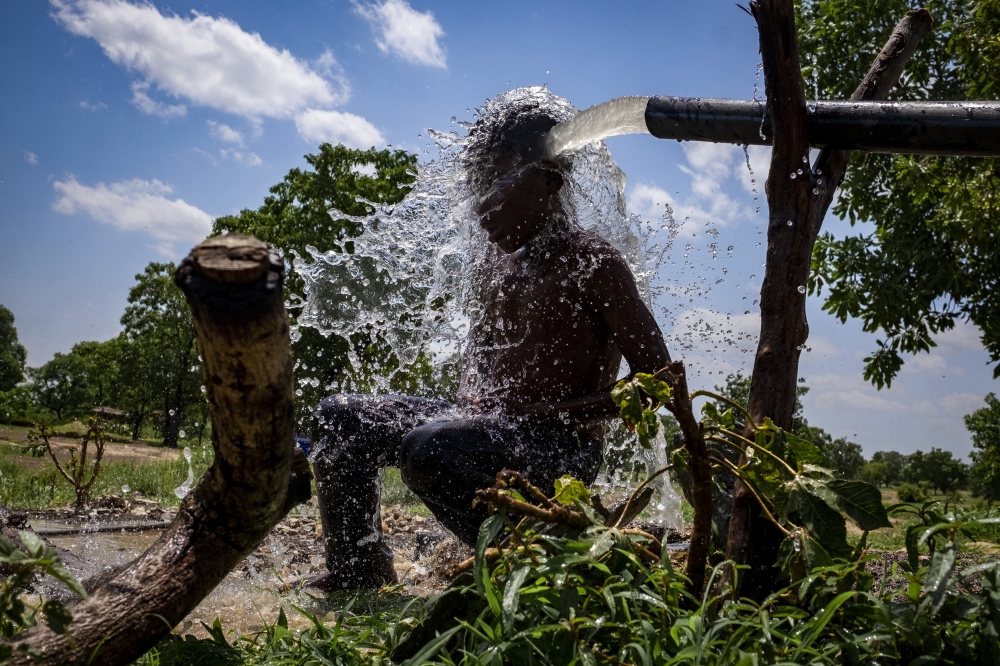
233, 285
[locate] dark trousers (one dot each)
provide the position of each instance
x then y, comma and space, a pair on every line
443, 458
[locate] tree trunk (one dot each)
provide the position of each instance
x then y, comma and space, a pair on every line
798, 197
234, 288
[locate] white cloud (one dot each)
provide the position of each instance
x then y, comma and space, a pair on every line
208, 61
966, 336
224, 132
336, 127
402, 30
136, 205
849, 392
30, 157
93, 107
250, 159
961, 404
146, 104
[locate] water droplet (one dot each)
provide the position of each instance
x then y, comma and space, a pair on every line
819, 171
798, 171
298, 392
789, 223
181, 434
815, 190
805, 160
802, 289
203, 389
171, 412
792, 176
126, 490
546, 71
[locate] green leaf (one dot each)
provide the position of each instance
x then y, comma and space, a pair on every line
626, 395
570, 491
938, 574
487, 532
511, 595
862, 502
432, 648
912, 552
647, 428
655, 388
56, 616
800, 553
821, 520
34, 545
804, 452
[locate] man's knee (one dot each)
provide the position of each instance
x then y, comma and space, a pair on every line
336, 428
424, 455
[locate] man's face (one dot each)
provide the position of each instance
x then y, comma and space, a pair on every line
514, 201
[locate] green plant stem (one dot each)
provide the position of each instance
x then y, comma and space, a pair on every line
763, 505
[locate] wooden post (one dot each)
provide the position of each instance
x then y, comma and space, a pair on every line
233, 284
798, 196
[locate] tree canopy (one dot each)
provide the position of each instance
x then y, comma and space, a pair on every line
933, 256
984, 424
12, 353
161, 352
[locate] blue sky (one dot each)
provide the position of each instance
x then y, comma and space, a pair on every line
127, 127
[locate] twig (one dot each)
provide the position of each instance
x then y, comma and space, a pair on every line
557, 514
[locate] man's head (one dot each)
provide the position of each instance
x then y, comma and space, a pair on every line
516, 185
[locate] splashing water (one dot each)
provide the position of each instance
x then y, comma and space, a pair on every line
622, 115
419, 267
183, 490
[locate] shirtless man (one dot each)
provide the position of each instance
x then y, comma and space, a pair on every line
561, 307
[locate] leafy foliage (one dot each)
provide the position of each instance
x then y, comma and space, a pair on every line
938, 468
28, 559
933, 258
984, 424
12, 353
160, 360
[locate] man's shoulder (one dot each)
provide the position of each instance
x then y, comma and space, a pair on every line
587, 241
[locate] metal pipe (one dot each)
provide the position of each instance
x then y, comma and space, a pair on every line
931, 128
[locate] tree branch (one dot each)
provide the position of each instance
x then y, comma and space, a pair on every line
233, 286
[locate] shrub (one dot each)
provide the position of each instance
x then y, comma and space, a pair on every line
910, 492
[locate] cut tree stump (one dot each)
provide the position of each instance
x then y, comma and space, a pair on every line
233, 285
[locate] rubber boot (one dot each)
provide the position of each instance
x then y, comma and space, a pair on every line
357, 555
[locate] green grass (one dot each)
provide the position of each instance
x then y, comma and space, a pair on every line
21, 488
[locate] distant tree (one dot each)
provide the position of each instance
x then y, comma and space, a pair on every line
895, 465
102, 370
984, 424
12, 353
296, 216
161, 346
60, 385
932, 257
843, 457
874, 473
938, 468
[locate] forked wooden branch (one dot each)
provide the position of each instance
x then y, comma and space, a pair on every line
798, 196
233, 285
